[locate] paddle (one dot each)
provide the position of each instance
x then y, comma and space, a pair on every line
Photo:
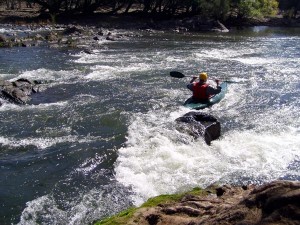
176, 74
181, 75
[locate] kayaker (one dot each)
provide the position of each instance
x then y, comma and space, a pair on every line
202, 91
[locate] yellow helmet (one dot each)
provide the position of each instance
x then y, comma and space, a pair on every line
203, 76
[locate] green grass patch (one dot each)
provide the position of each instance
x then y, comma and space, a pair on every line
123, 217
118, 219
162, 199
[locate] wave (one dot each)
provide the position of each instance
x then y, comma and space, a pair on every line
83, 209
24, 29
256, 126
43, 142
158, 159
6, 106
50, 75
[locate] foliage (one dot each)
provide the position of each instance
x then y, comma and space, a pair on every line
216, 9
269, 7
255, 8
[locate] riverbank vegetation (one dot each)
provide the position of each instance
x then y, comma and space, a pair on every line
222, 10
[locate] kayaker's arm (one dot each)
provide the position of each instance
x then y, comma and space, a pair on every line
193, 79
190, 85
213, 91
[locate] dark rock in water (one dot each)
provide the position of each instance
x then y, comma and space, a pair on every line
88, 51
73, 29
111, 37
52, 36
18, 91
201, 124
3, 41
2, 38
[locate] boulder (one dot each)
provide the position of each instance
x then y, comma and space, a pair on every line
52, 37
200, 125
2, 39
111, 37
73, 30
4, 42
18, 91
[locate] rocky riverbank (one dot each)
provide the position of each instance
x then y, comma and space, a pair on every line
90, 27
116, 21
277, 203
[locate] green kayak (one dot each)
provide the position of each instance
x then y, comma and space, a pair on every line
190, 103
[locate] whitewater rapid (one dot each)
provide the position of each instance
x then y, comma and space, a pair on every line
101, 136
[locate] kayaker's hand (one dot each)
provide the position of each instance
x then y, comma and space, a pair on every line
193, 79
217, 81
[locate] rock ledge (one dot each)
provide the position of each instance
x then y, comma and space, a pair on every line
277, 203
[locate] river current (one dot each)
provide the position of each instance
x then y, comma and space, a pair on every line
101, 137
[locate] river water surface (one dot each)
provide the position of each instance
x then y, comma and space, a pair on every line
101, 136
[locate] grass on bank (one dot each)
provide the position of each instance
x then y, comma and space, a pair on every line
124, 216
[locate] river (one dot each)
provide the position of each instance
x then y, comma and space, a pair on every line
101, 135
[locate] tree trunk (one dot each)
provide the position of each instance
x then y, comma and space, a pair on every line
128, 6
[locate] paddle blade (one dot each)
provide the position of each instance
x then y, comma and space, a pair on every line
176, 74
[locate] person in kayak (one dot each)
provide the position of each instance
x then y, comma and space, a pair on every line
202, 91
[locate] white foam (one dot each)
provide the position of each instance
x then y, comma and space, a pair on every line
50, 75
221, 53
83, 208
159, 159
43, 207
13, 107
6, 76
43, 143
26, 29
106, 72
